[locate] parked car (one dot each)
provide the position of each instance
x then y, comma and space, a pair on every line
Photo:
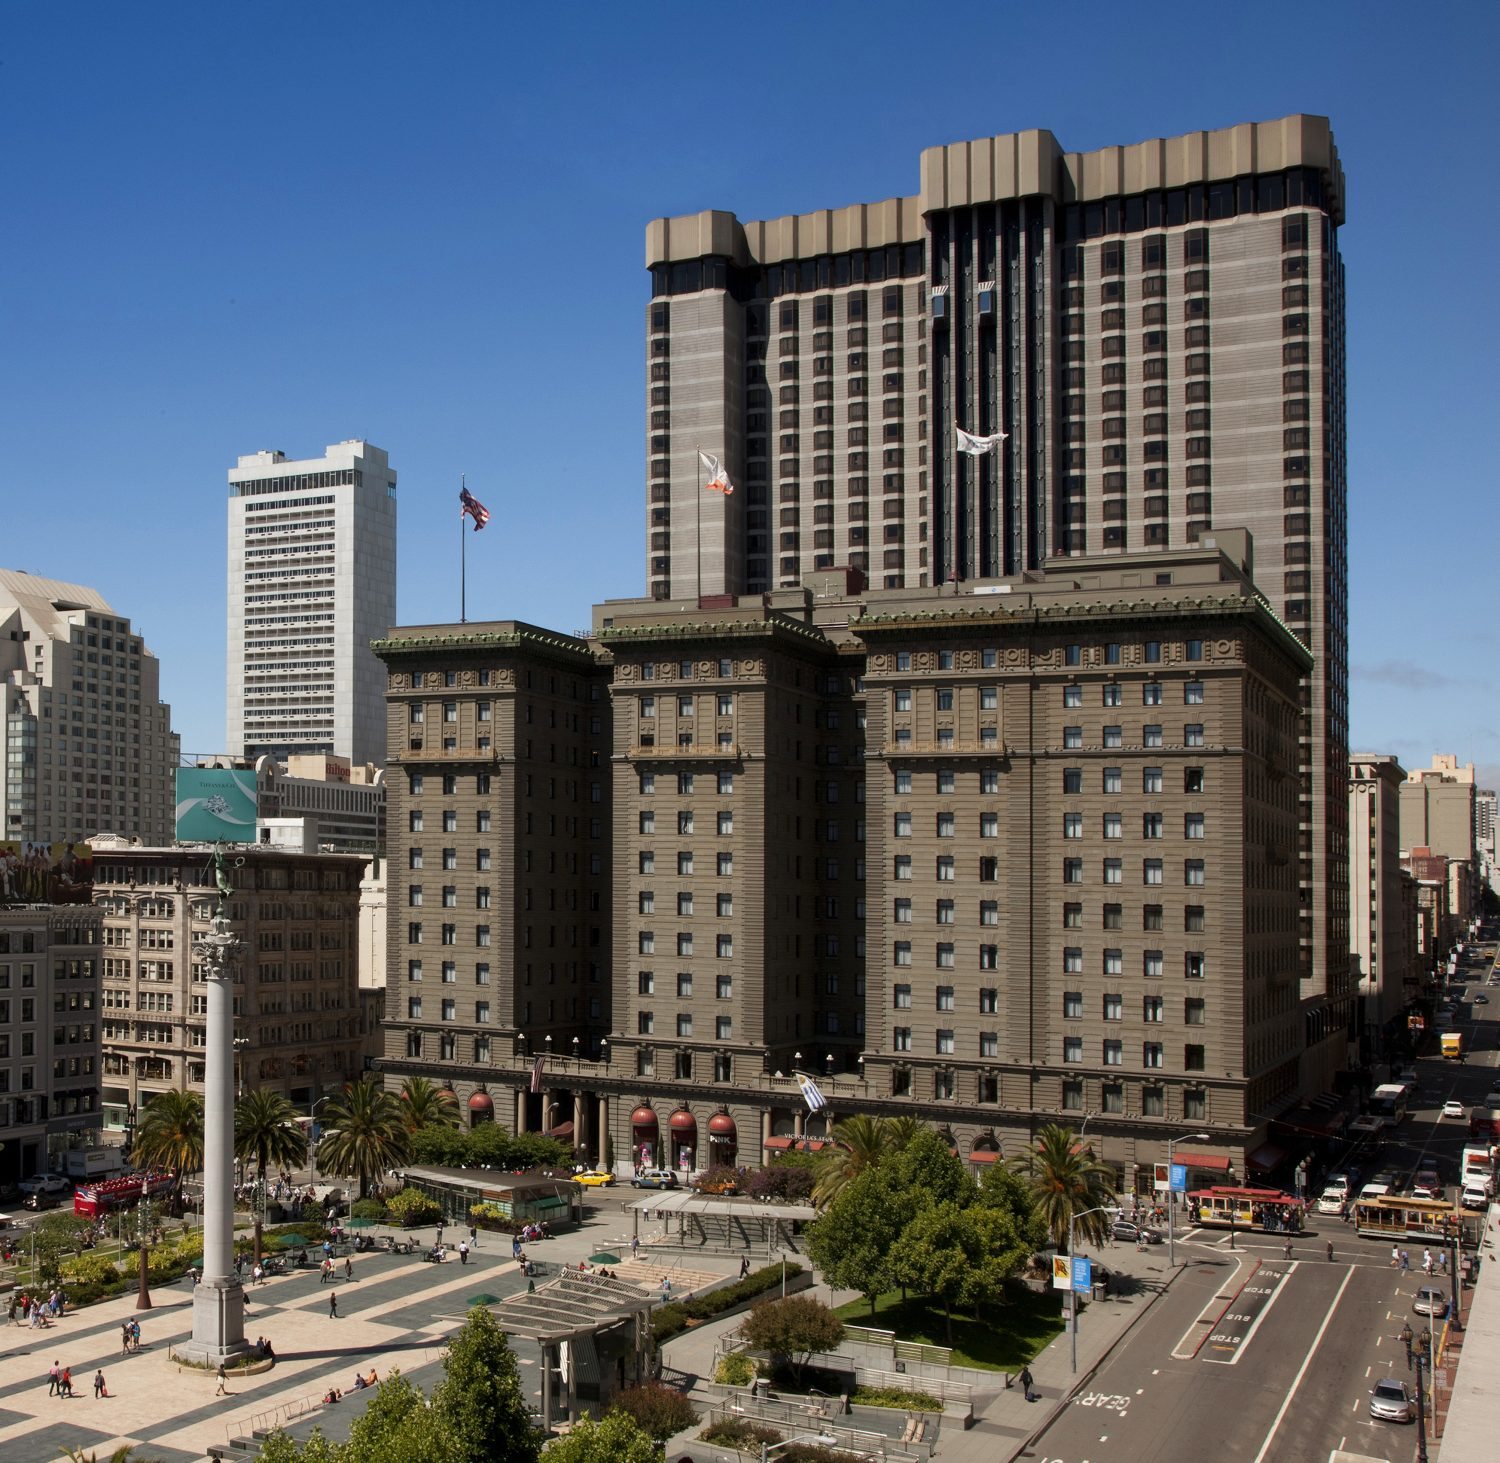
1128, 1229
1390, 1401
594, 1178
46, 1183
1453, 1108
1474, 1196
1430, 1301
654, 1178
1480, 999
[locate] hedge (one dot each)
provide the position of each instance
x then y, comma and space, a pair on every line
670, 1319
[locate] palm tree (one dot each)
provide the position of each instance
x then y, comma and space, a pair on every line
171, 1134
266, 1129
1066, 1182
859, 1143
427, 1105
364, 1133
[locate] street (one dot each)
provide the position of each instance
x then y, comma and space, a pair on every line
1250, 1357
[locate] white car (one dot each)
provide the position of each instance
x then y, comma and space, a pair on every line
1453, 1108
51, 1184
1475, 1196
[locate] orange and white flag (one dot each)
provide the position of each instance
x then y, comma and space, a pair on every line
718, 478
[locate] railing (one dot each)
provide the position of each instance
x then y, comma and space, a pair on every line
819, 1418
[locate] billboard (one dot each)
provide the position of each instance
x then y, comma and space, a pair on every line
215, 804
46, 873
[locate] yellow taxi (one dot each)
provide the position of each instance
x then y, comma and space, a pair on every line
594, 1178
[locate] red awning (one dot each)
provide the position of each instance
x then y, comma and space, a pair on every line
481, 1102
811, 1145
721, 1125
562, 1130
643, 1117
683, 1122
981, 1155
1217, 1162
777, 1143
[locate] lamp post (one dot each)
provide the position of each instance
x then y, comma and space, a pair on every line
1424, 1340
315, 1135
1073, 1294
142, 1295
1172, 1195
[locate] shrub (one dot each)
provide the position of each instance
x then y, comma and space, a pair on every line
412, 1207
792, 1329
735, 1370
368, 1209
658, 1411
89, 1270
720, 1179
668, 1320
787, 1182
489, 1216
896, 1397
736, 1432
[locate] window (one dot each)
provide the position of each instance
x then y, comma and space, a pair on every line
724, 986
1194, 1058
901, 953
414, 820
901, 997
989, 698
1072, 960
1192, 734
723, 947
1192, 693
989, 1046
1192, 779
1072, 737
1194, 1106
685, 784
1072, 1095
1072, 871
1072, 1048
1113, 694
945, 914
947, 782
1152, 871
947, 825
1193, 874
1112, 737
1114, 871
1114, 825
903, 866
945, 956
1072, 779
1193, 1011
1114, 916
1192, 825
645, 1023
901, 1039
726, 822
945, 869
685, 942
1151, 735
1153, 825
1151, 693
685, 863
944, 1043
1153, 1009
903, 698
989, 912
685, 820
1151, 1054
903, 825
1072, 697
903, 782
1072, 825
645, 942
1113, 779
684, 905
647, 822
1192, 919
725, 865
684, 706
1114, 1008
726, 784
1114, 1053
1072, 916
1195, 965
989, 1000
945, 699
724, 905
1073, 655
726, 705
1194, 650
647, 862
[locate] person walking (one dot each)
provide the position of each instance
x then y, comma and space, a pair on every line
1330, 1252
100, 1390
65, 1382
473, 1236
1405, 1262
257, 1274
744, 1266
54, 1372
333, 1306
348, 1268
463, 1252
1395, 1256
635, 1245
1026, 1381
1427, 1262
221, 1390
1286, 1250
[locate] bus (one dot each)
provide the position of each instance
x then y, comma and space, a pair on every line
108, 1196
1388, 1103
1395, 1218
1270, 1210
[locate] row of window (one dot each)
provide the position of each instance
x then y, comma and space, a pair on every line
1194, 920
449, 972
1153, 825
685, 671
945, 957
1153, 1054
1112, 780
947, 825
645, 1025
1113, 737
448, 934
1153, 1008
943, 1042
448, 1010
685, 706
1153, 872
1153, 965
723, 944
686, 821
646, 903
946, 912
945, 780
723, 862
416, 783
687, 782
645, 984
1113, 694
943, 996
989, 698
416, 712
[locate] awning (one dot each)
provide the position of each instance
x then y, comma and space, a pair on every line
682, 1121
984, 1155
1267, 1157
643, 1117
721, 1125
778, 1143
562, 1130
1217, 1162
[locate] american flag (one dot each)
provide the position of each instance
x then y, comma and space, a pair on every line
474, 508
536, 1074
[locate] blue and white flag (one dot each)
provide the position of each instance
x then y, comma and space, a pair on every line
810, 1094
973, 445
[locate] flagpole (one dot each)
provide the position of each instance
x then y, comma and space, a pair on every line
463, 559
699, 555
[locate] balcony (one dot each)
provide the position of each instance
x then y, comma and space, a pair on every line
697, 751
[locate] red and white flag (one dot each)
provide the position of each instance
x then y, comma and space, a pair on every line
718, 478
473, 508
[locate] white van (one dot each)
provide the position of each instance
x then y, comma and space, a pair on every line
1374, 1191
1332, 1200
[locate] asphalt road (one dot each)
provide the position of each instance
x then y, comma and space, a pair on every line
1252, 1358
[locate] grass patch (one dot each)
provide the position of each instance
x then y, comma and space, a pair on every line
1002, 1338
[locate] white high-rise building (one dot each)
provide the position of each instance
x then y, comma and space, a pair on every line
312, 581
87, 742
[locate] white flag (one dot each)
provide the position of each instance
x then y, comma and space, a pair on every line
810, 1094
974, 446
718, 479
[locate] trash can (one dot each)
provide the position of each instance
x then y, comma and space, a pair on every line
1101, 1289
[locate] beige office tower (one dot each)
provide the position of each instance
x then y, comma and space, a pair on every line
1158, 329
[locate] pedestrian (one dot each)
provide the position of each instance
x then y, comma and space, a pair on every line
1405, 1262
1330, 1252
54, 1372
221, 1390
257, 1274
1427, 1262
99, 1388
473, 1236
1443, 1261
1286, 1250
1026, 1380
65, 1384
333, 1306
744, 1266
348, 1268
1395, 1256
635, 1245
463, 1252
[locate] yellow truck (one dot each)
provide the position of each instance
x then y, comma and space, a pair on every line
1453, 1045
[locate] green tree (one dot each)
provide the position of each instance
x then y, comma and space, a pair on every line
1001, 1187
397, 1426
962, 1256
426, 1105
790, 1330
617, 1439
851, 1240
659, 1412
364, 1134
479, 1405
279, 1447
1066, 1182
171, 1134
266, 1130
859, 1143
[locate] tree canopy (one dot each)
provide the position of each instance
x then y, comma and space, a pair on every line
426, 1105
791, 1330
1068, 1184
617, 1439
364, 1133
171, 1133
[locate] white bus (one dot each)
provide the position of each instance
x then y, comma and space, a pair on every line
1388, 1103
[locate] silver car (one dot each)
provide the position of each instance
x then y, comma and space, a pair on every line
1430, 1301
1391, 1402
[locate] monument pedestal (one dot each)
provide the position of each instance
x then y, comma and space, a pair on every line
218, 1324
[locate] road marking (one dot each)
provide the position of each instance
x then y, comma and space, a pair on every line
1265, 1447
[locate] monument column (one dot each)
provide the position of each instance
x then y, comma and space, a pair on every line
218, 1301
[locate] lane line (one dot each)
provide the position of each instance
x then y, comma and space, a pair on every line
1265, 1310
1265, 1447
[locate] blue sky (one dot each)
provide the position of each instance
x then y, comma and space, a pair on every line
229, 228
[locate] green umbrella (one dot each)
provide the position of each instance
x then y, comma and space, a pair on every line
604, 1258
361, 1223
484, 1298
294, 1239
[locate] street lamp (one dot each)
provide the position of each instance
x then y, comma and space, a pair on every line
1172, 1193
143, 1295
316, 1134
1424, 1362
1073, 1294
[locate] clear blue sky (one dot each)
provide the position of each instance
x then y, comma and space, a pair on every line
235, 227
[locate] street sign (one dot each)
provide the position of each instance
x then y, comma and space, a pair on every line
1083, 1274
1179, 1178
1163, 1179
1062, 1274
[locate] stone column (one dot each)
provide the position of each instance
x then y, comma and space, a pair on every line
765, 1136
580, 1124
601, 1128
218, 1301
521, 1111
799, 1123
